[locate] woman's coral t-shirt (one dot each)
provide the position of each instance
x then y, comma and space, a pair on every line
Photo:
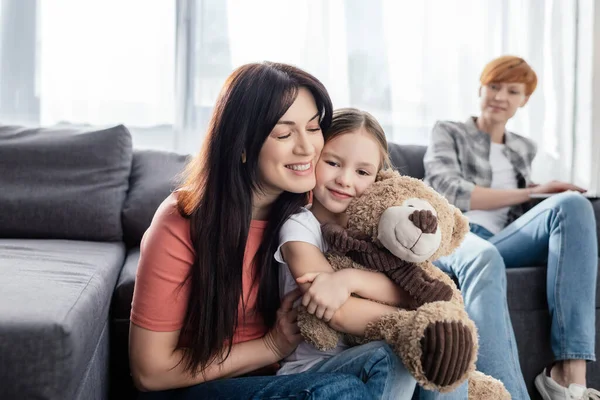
166, 256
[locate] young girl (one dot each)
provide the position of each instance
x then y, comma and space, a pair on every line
355, 150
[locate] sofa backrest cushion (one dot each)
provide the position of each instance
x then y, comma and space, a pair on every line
154, 174
62, 183
408, 159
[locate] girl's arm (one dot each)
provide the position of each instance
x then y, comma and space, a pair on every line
371, 285
306, 263
354, 314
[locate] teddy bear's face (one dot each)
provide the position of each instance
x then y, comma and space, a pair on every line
403, 237
408, 218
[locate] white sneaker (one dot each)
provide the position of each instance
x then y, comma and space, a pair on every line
550, 390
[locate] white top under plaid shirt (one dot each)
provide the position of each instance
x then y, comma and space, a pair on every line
458, 159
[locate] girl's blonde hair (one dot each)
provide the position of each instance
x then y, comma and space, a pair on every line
349, 120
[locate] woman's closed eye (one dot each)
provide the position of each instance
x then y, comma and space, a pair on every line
284, 136
317, 129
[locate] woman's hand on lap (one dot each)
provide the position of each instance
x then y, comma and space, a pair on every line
285, 336
555, 187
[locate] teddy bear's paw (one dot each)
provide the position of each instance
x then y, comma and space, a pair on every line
446, 352
422, 287
437, 343
482, 386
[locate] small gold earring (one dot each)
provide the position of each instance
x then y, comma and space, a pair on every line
244, 157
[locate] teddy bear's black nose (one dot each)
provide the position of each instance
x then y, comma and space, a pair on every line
424, 220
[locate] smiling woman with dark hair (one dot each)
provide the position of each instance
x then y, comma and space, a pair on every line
206, 303
485, 170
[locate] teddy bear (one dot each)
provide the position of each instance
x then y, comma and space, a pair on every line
398, 226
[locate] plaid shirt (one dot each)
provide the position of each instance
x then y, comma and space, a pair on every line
458, 159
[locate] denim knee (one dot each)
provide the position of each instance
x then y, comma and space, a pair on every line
343, 386
387, 353
382, 354
486, 264
574, 204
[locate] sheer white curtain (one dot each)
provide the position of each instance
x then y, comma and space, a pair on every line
157, 65
88, 62
409, 63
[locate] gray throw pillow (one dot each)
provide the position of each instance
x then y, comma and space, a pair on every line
154, 175
62, 183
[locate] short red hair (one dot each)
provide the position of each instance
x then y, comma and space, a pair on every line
509, 69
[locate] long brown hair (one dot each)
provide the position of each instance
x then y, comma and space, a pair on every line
217, 198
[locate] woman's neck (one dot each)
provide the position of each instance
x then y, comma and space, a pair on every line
261, 205
494, 129
324, 216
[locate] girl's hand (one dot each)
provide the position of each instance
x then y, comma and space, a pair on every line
285, 336
326, 294
556, 187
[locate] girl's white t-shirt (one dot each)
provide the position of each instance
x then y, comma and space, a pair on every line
301, 227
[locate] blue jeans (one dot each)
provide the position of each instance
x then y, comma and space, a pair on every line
561, 232
375, 363
307, 386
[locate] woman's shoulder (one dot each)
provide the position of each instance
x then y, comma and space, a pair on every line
168, 209
520, 138
521, 144
168, 221
451, 128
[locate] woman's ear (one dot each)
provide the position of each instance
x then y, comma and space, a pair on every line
525, 101
479, 91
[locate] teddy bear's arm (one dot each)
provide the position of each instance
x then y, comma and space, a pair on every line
420, 282
341, 240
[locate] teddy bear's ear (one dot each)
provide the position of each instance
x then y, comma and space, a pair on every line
386, 174
461, 228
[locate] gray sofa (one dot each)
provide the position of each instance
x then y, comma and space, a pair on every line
73, 208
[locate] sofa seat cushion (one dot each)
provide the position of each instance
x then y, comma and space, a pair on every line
54, 302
